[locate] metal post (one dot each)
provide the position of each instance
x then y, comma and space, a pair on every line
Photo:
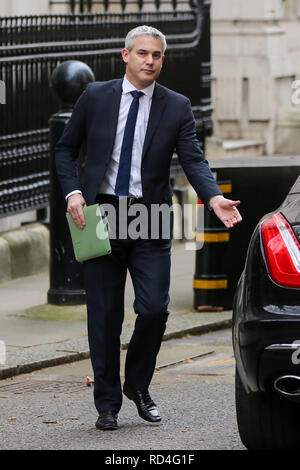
211, 271
68, 81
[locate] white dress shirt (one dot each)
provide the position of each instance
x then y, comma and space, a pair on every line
110, 177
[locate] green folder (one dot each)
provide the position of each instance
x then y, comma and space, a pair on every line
92, 241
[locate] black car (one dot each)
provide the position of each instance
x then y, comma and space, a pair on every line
266, 331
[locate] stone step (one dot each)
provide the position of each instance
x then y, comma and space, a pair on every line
218, 148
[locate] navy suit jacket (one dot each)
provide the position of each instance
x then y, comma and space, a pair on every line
171, 126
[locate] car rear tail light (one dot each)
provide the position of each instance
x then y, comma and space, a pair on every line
282, 251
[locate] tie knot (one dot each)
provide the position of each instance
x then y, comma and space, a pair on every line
136, 94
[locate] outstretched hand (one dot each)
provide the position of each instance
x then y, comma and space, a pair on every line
225, 210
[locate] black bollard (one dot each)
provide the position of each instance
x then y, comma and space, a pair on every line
68, 81
211, 271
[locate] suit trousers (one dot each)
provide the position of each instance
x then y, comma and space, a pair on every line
148, 262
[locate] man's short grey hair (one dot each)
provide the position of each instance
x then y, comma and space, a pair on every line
144, 31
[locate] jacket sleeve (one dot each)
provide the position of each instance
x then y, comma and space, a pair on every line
68, 146
192, 160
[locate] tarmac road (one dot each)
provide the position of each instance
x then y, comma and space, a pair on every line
53, 408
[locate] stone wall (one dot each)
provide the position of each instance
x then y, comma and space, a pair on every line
24, 251
256, 59
24, 7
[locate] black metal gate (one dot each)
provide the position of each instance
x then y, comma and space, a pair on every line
32, 46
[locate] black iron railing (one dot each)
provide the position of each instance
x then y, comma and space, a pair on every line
32, 46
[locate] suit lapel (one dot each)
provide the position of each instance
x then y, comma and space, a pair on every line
113, 112
157, 108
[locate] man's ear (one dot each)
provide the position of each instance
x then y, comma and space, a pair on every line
125, 53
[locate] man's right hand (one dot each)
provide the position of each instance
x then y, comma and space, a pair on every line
76, 203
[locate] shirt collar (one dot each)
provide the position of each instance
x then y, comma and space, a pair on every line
127, 87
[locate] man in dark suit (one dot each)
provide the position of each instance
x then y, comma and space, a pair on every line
131, 127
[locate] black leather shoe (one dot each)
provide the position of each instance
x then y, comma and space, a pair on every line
146, 407
107, 420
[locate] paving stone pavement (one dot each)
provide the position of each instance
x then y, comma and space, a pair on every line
34, 343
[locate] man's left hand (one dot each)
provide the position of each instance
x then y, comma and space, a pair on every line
225, 210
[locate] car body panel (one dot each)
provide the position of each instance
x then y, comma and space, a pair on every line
266, 314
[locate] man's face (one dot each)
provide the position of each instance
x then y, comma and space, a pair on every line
144, 61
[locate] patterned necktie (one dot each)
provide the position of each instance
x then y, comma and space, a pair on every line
123, 177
